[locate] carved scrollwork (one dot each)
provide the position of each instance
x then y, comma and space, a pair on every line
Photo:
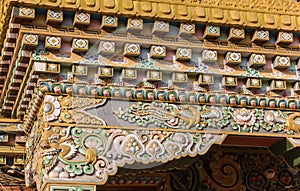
165, 115
100, 152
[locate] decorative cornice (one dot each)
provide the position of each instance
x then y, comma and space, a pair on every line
165, 95
13, 86
17, 149
274, 14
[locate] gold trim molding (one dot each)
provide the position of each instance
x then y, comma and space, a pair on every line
268, 14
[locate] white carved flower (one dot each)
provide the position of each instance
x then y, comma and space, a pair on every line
234, 56
238, 32
31, 38
244, 117
162, 25
159, 50
106, 45
81, 43
53, 41
136, 22
210, 54
95, 142
263, 34
188, 27
259, 58
270, 117
286, 36
283, 60
82, 17
185, 52
55, 14
133, 48
51, 108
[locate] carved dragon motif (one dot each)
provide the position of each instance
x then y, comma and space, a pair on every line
162, 114
55, 144
292, 124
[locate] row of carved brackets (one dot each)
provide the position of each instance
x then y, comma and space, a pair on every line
156, 51
271, 99
18, 160
18, 138
160, 27
156, 75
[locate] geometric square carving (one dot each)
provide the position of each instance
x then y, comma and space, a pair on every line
53, 68
80, 45
282, 62
160, 27
261, 36
19, 159
179, 77
236, 34
233, 58
2, 159
183, 54
206, 79
253, 83
154, 75
54, 17
82, 19
278, 85
26, 13
257, 60
212, 32
209, 56
80, 70
52, 43
106, 47
158, 51
134, 25
3, 137
30, 40
128, 73
297, 87
46, 67
284, 38
109, 22
229, 81
21, 138
40, 66
106, 72
187, 29
132, 49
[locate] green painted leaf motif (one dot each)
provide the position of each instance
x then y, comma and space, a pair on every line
125, 117
256, 127
277, 128
70, 167
76, 132
198, 126
195, 140
263, 124
245, 129
77, 141
88, 169
132, 119
47, 161
209, 122
251, 72
78, 170
41, 176
260, 114
234, 125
